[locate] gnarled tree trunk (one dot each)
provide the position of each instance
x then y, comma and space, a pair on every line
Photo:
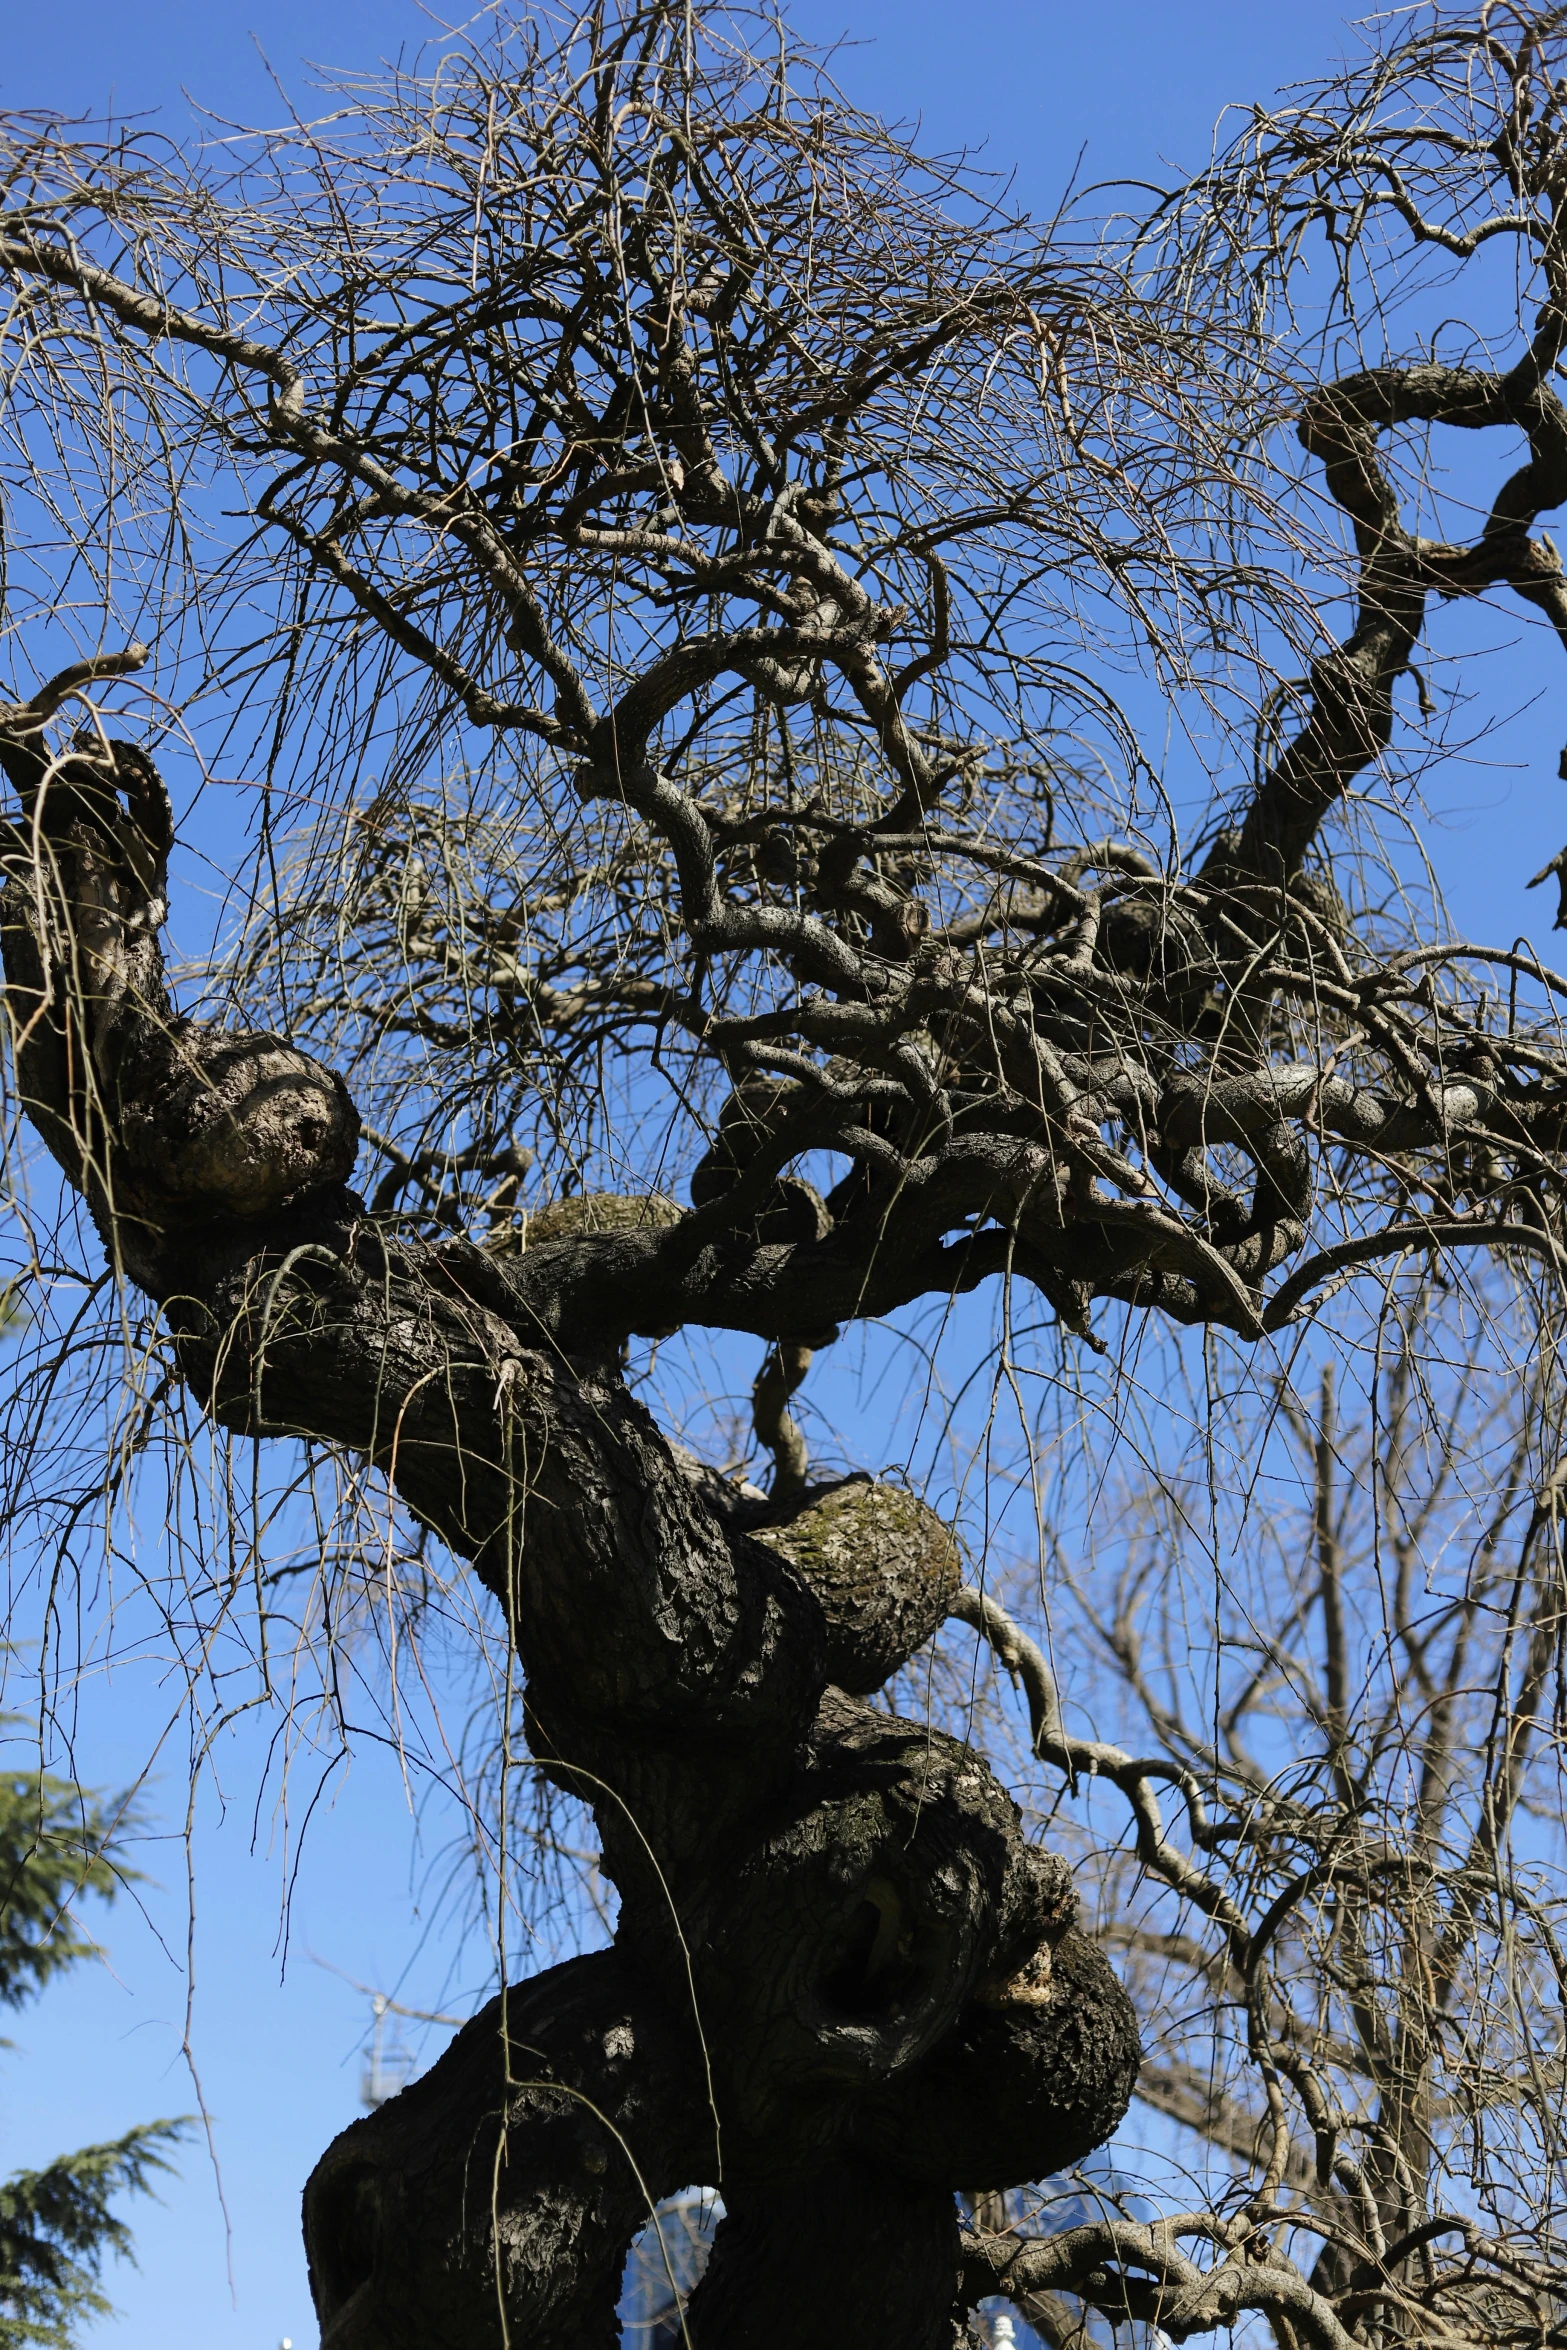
842, 1985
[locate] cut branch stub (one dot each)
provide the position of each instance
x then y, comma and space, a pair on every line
1037, 2072
160, 1122
882, 1565
229, 1125
890, 1886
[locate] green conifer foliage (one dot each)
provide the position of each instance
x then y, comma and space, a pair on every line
58, 1842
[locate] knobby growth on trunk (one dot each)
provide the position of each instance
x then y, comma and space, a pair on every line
686, 547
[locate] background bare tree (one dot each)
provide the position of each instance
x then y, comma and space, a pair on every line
1338, 1885
686, 546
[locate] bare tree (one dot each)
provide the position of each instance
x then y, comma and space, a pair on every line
1345, 1943
687, 545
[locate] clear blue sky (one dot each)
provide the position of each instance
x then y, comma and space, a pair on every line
1034, 82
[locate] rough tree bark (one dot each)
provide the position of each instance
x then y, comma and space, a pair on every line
843, 1985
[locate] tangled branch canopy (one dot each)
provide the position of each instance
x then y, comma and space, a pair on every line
690, 545
694, 589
